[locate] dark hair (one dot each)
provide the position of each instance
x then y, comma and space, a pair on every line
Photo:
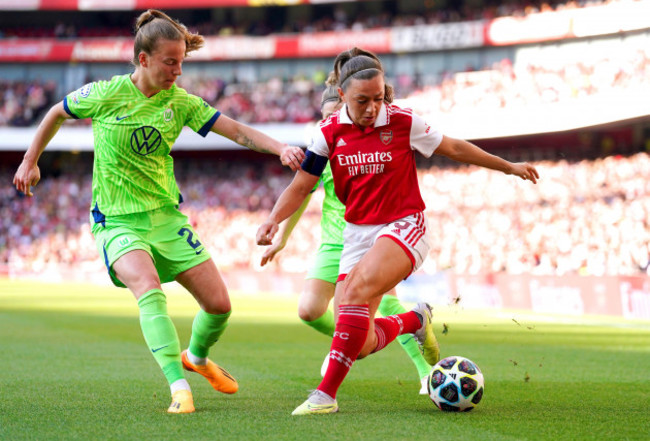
331, 92
154, 25
361, 65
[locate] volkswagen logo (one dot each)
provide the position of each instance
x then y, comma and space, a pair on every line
145, 140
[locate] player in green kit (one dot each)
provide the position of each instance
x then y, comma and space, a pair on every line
320, 282
140, 233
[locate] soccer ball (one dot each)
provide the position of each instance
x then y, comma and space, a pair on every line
455, 384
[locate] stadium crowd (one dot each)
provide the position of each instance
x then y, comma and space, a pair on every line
537, 82
22, 103
588, 217
297, 99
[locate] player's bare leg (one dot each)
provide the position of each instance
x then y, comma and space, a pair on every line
313, 306
381, 268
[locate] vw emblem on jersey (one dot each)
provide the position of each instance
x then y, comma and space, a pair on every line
145, 140
386, 136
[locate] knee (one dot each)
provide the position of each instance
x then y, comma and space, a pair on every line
142, 283
218, 308
312, 304
217, 304
356, 290
308, 313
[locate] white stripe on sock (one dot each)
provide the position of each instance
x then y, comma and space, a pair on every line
201, 361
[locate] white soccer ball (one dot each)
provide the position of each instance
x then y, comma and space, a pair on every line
455, 384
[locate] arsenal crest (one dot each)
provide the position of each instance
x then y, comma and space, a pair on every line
386, 136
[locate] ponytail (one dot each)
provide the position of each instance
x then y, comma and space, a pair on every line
154, 25
331, 92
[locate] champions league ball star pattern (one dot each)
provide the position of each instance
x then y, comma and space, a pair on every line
455, 384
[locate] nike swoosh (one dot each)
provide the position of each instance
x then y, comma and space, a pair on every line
199, 252
121, 118
321, 407
157, 349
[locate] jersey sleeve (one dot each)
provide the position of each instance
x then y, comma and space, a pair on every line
317, 153
85, 101
319, 142
201, 116
424, 138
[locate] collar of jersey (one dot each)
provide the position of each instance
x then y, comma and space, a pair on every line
382, 118
160, 94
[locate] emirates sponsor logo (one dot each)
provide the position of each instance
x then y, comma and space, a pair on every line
364, 163
364, 158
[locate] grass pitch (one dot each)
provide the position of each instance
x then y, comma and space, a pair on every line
74, 366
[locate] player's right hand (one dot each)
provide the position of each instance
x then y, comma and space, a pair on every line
27, 176
266, 231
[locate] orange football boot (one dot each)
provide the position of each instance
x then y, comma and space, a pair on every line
182, 402
218, 377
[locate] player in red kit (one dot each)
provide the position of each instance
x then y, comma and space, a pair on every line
371, 146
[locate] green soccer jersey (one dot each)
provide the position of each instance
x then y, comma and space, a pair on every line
133, 171
332, 221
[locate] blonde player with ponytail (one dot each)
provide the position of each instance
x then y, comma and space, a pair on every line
140, 233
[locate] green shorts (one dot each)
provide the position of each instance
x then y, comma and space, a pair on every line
326, 265
164, 233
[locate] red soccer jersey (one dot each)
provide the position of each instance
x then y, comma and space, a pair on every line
374, 167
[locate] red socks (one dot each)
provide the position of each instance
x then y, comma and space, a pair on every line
388, 328
349, 336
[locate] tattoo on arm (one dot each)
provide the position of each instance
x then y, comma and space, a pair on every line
248, 142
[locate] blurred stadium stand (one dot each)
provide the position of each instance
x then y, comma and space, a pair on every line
560, 82
541, 69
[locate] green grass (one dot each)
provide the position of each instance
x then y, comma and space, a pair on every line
74, 366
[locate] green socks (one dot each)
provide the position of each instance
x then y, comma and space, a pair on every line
206, 330
323, 324
390, 305
160, 334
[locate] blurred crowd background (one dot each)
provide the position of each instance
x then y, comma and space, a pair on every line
588, 215
483, 82
297, 99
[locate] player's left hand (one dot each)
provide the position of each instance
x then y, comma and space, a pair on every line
292, 157
525, 171
266, 231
